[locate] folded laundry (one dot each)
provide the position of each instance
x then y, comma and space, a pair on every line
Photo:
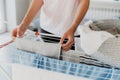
109, 25
102, 45
31, 43
109, 52
91, 40
40, 62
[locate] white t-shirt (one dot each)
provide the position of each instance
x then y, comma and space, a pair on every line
57, 15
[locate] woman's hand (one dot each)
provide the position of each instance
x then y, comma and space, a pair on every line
70, 36
80, 13
32, 11
19, 31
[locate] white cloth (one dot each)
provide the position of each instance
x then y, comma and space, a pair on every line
92, 40
45, 49
57, 15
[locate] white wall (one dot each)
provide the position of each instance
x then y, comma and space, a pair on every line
21, 9
16, 10
2, 16
11, 13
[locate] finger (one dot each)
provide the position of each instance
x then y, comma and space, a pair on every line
14, 34
62, 40
19, 33
68, 47
69, 43
65, 49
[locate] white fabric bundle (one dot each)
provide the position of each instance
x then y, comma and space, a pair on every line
92, 40
109, 52
45, 49
101, 45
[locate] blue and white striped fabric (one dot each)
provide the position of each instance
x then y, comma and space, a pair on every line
82, 70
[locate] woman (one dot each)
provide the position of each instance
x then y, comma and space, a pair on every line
59, 17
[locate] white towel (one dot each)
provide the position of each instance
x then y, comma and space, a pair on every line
45, 49
92, 40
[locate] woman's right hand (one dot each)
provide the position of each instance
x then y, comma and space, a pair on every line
19, 31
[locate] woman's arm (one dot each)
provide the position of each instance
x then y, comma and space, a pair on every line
81, 11
69, 34
32, 11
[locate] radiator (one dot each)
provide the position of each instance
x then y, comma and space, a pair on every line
103, 10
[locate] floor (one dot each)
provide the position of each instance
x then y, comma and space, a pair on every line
5, 72
5, 69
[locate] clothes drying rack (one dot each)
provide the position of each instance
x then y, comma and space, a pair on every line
82, 69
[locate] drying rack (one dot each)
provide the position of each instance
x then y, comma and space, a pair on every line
71, 68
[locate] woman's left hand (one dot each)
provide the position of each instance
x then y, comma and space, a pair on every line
70, 36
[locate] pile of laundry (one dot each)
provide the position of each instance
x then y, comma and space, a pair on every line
101, 40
